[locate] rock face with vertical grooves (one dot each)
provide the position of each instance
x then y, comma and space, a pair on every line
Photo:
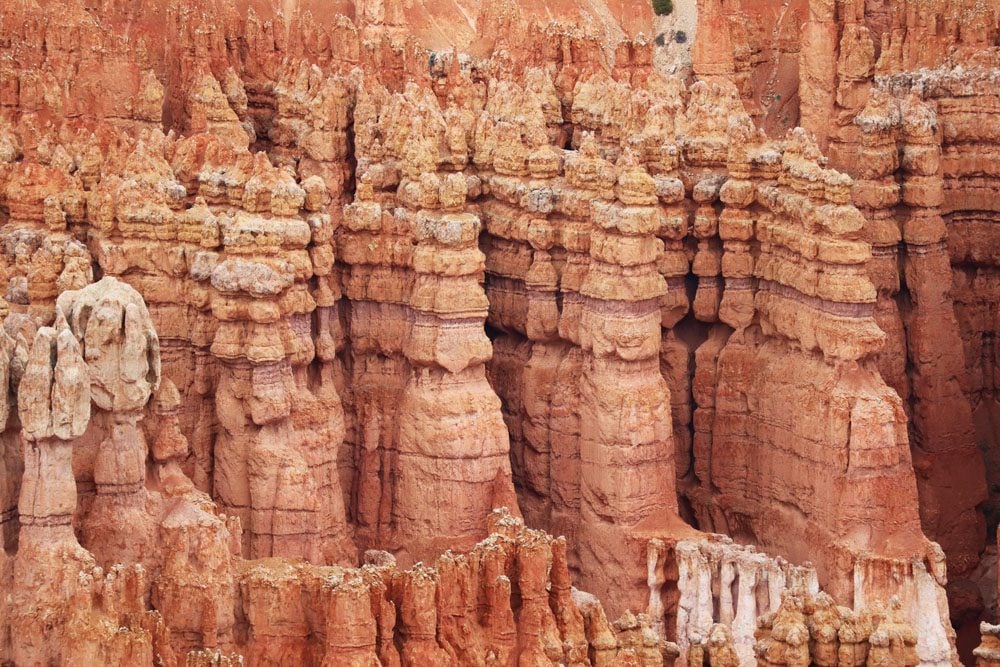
319, 320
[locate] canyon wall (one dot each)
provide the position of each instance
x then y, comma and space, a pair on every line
902, 96
297, 298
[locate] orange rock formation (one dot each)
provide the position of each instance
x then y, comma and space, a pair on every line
320, 319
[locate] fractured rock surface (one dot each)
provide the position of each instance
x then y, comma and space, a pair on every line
319, 322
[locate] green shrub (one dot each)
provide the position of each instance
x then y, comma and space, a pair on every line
663, 7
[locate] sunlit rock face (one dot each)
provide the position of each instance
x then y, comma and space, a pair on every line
461, 333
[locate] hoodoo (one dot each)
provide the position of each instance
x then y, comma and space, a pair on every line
386, 332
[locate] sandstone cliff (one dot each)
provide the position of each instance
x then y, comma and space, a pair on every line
295, 301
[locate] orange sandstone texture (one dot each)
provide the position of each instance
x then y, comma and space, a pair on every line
902, 96
296, 296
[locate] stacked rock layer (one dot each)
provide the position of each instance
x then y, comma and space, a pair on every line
293, 305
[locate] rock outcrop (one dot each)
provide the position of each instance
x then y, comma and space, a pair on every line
295, 297
988, 652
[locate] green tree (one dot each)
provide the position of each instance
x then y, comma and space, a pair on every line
663, 7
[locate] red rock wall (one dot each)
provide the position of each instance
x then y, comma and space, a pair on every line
393, 289
859, 64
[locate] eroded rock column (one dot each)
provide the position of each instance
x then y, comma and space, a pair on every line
122, 353
626, 446
453, 446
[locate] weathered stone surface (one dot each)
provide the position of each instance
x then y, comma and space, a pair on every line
297, 292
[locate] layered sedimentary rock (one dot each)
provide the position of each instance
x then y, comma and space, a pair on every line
290, 298
814, 62
804, 222
852, 57
429, 436
988, 652
811, 629
863, 92
246, 245
912, 258
750, 586
458, 610
83, 385
591, 430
